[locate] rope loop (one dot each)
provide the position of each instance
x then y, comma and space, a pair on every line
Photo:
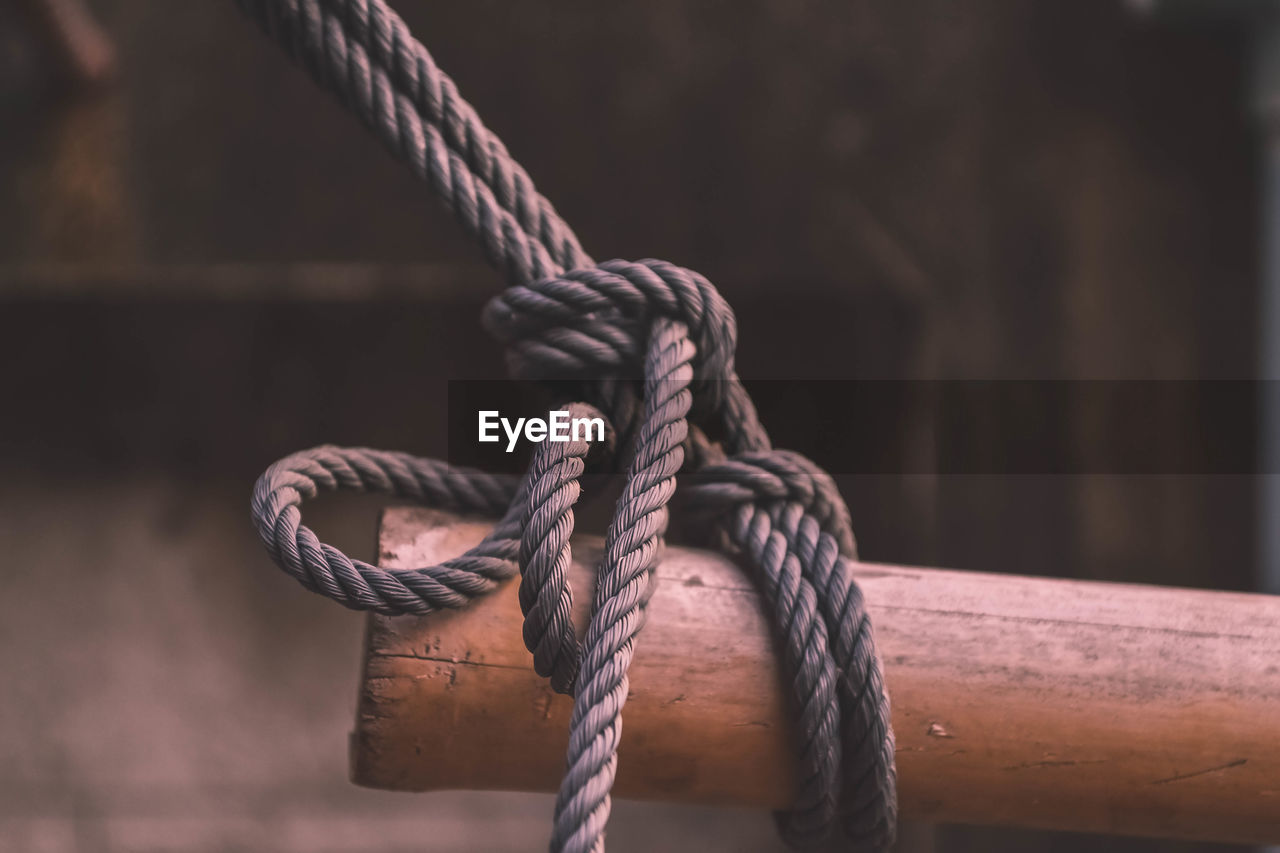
280, 491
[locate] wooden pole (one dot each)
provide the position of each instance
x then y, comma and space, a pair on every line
1017, 701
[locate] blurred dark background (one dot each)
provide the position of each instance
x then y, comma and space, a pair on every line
206, 264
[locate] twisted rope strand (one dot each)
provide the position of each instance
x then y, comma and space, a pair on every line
363, 52
390, 45
546, 598
804, 506
870, 812
623, 587
791, 598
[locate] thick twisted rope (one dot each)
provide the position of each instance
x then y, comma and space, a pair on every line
364, 53
631, 550
782, 539
361, 586
652, 345
793, 603
545, 554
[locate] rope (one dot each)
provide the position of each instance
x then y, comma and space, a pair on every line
650, 346
362, 52
361, 586
623, 587
545, 555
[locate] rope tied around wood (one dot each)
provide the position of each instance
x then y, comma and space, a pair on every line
651, 346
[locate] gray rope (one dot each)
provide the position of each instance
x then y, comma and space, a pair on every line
623, 587
359, 585
545, 554
364, 53
781, 537
652, 346
783, 493
792, 601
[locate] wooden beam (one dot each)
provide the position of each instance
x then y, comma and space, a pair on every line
1017, 701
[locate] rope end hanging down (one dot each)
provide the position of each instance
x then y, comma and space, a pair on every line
687, 421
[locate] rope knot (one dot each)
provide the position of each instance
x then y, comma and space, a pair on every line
768, 478
595, 322
652, 344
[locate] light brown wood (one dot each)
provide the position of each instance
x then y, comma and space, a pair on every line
1017, 701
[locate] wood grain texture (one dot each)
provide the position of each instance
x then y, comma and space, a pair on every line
1017, 701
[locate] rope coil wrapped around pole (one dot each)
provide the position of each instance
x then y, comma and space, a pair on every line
651, 345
